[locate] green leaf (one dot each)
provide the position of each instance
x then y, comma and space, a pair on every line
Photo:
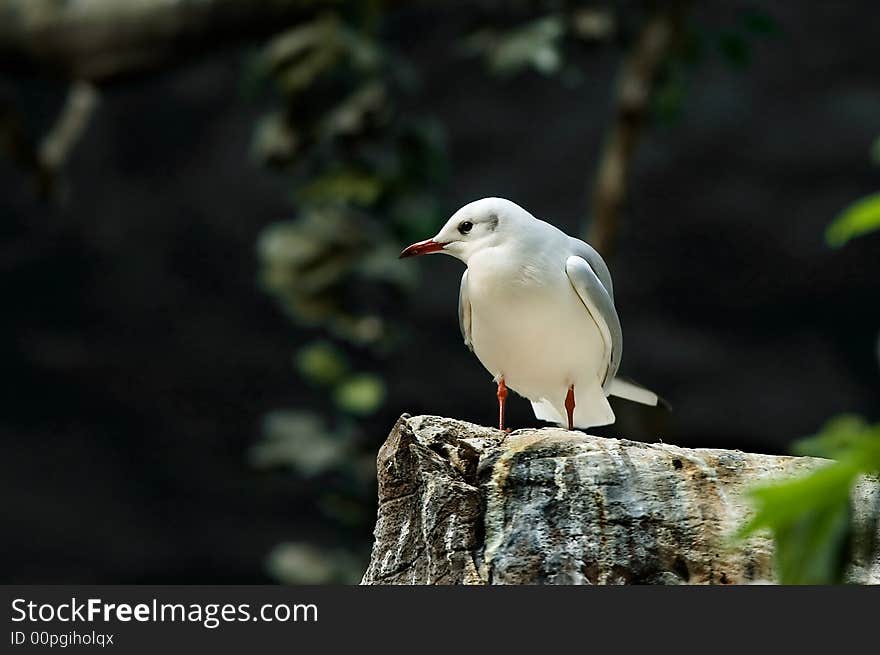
535, 44
303, 53
302, 441
275, 142
322, 363
861, 217
843, 437
809, 516
875, 152
343, 187
809, 519
301, 563
351, 115
813, 549
361, 394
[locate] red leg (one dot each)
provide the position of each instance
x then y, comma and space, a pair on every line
502, 397
569, 407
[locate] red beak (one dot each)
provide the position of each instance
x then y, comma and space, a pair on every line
421, 248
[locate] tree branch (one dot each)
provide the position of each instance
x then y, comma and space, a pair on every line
638, 75
45, 160
97, 40
82, 100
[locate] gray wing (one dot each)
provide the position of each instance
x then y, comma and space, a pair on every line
464, 311
594, 259
599, 302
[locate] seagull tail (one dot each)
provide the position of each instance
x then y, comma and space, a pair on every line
544, 411
629, 390
589, 413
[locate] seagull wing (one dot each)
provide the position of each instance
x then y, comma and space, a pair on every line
464, 311
594, 259
598, 302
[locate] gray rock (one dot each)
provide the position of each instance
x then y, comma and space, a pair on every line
465, 504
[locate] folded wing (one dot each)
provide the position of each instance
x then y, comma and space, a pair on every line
464, 311
592, 282
598, 302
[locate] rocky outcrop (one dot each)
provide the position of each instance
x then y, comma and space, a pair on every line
464, 504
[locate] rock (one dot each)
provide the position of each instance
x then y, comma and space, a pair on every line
465, 504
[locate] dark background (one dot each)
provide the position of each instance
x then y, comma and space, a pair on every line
139, 354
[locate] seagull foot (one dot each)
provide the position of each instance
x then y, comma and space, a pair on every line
502, 397
569, 407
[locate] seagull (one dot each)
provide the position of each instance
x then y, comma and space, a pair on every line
536, 306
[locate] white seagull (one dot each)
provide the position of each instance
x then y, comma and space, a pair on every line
537, 308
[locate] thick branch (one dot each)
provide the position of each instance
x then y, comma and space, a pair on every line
97, 40
639, 72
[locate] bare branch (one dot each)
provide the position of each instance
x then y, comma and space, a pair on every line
97, 40
638, 75
82, 100
44, 161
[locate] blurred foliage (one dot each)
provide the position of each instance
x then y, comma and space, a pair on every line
535, 45
322, 363
303, 563
548, 38
302, 441
810, 517
360, 394
363, 175
732, 44
875, 152
861, 217
333, 267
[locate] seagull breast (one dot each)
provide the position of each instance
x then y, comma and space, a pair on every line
529, 326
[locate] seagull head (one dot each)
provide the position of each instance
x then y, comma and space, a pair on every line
481, 224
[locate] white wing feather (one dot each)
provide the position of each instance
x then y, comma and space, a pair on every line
464, 311
599, 304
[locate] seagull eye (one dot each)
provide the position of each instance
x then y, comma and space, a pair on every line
465, 227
